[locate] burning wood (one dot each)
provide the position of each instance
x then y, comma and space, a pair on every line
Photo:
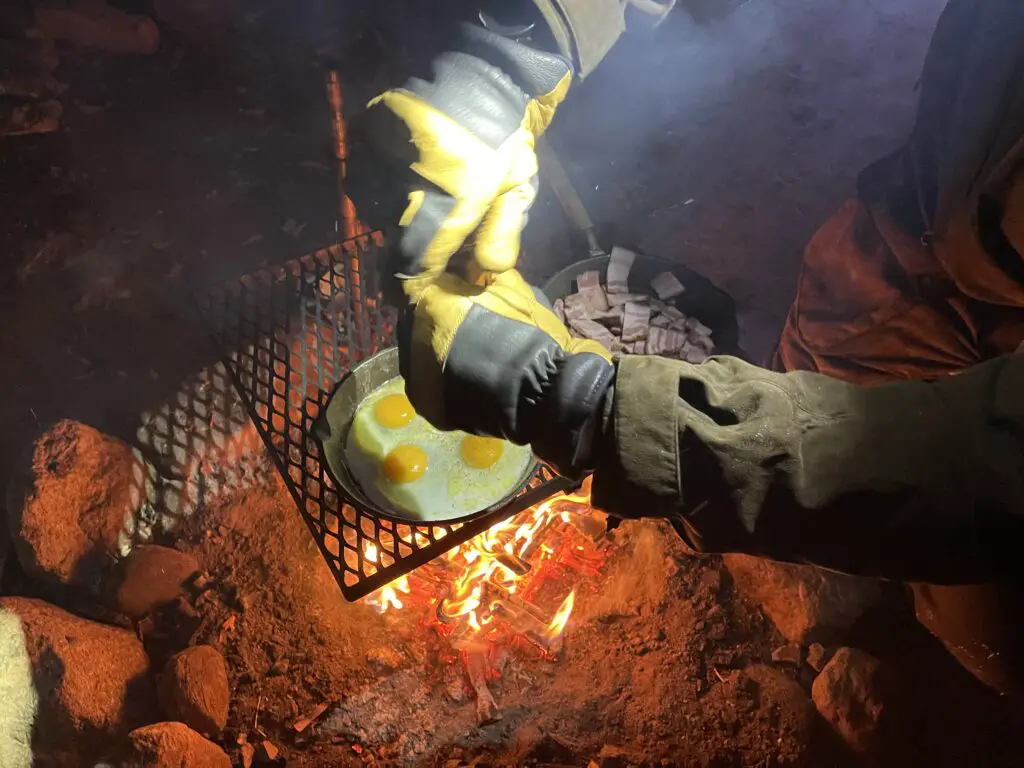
507, 583
476, 665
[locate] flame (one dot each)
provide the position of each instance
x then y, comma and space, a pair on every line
557, 625
494, 579
388, 596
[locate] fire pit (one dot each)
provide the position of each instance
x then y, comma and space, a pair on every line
507, 577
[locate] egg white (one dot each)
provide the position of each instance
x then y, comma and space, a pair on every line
450, 488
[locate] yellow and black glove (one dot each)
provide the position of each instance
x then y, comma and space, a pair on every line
467, 136
496, 361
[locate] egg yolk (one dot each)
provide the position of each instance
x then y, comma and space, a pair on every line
481, 452
394, 411
405, 464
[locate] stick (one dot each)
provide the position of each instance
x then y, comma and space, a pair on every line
476, 670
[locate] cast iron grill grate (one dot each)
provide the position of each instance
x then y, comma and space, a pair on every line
287, 336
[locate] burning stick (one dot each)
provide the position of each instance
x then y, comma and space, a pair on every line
523, 617
475, 661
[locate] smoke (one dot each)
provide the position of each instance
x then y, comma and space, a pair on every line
724, 145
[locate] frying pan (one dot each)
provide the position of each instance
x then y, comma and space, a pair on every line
331, 431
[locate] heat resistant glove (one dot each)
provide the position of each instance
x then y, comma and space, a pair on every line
495, 361
467, 136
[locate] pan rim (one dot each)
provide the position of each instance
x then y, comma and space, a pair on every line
349, 489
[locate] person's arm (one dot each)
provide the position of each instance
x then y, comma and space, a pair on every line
584, 31
910, 481
447, 160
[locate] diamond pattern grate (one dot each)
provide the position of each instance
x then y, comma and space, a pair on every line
287, 336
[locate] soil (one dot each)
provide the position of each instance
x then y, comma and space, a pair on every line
201, 163
659, 659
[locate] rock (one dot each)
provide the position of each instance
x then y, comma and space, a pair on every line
18, 698
72, 504
267, 752
787, 654
92, 680
194, 689
806, 604
817, 656
759, 694
247, 753
172, 745
846, 695
153, 576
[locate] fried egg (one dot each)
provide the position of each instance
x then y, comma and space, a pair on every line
401, 462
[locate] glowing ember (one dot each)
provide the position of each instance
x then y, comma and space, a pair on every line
509, 578
388, 596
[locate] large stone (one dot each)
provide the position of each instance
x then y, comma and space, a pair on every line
806, 604
172, 745
92, 681
746, 700
18, 699
153, 576
846, 695
194, 689
72, 506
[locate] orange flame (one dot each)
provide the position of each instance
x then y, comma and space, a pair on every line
387, 597
503, 566
557, 625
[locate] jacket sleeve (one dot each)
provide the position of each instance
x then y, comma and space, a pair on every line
911, 481
585, 30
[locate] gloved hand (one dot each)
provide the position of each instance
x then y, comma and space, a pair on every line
464, 146
495, 361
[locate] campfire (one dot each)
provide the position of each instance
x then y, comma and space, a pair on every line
514, 584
